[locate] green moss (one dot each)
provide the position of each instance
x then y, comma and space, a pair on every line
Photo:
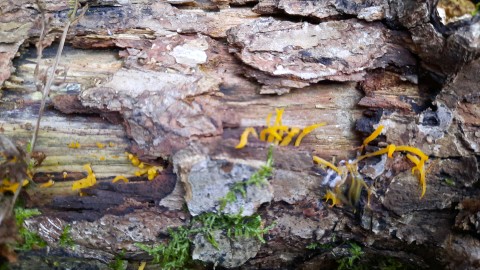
175, 254
30, 239
119, 262
66, 239
350, 262
259, 178
449, 181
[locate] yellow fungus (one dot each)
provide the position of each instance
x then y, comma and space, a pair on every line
65, 174
102, 158
390, 150
376, 153
135, 161
273, 132
100, 145
87, 168
373, 136
152, 172
322, 161
420, 167
47, 184
412, 150
74, 145
111, 144
88, 181
142, 265
331, 196
10, 187
278, 122
25, 182
278, 117
244, 137
306, 131
120, 177
269, 118
141, 172
286, 141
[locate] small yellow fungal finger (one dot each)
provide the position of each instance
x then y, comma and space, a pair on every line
141, 172
269, 119
420, 167
376, 153
65, 174
100, 145
331, 196
111, 144
272, 131
278, 118
25, 182
390, 150
412, 150
244, 137
74, 145
286, 141
373, 136
135, 161
87, 168
322, 161
142, 265
47, 184
152, 172
413, 159
306, 131
120, 177
423, 182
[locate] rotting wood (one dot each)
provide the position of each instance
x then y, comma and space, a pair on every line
163, 41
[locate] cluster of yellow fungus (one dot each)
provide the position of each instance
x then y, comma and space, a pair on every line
277, 133
9, 186
348, 171
150, 170
100, 145
86, 182
74, 145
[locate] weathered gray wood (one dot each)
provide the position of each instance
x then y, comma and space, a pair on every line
173, 81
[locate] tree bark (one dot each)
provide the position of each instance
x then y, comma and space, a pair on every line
176, 83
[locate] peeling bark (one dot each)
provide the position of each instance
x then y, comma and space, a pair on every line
176, 82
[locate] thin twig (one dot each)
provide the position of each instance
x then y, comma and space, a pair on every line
40, 43
51, 77
46, 90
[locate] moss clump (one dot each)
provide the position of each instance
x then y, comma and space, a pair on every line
66, 239
259, 178
30, 239
119, 262
176, 253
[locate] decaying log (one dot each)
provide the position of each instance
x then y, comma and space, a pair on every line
176, 83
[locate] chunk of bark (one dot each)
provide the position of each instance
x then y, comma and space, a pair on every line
304, 53
230, 253
367, 10
162, 110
